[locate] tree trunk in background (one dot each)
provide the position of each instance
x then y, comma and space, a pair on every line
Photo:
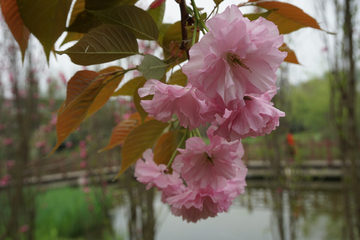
351, 123
343, 108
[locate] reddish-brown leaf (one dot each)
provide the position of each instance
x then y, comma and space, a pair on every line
138, 140
291, 57
15, 23
87, 93
165, 148
121, 130
113, 76
76, 85
287, 17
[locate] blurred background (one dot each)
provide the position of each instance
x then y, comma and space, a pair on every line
303, 179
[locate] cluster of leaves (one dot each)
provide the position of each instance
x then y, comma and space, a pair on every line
108, 30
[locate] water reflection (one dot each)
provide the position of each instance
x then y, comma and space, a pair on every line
264, 212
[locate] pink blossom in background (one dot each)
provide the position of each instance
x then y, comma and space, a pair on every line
24, 228
68, 144
86, 190
53, 119
2, 126
22, 93
83, 164
63, 78
7, 104
40, 144
181, 101
41, 106
204, 166
4, 181
83, 153
82, 144
88, 138
257, 118
126, 116
236, 57
51, 104
7, 141
10, 164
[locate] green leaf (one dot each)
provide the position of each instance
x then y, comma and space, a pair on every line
165, 147
137, 100
138, 140
105, 4
15, 23
84, 22
72, 36
45, 19
254, 16
162, 30
78, 7
152, 67
178, 78
129, 88
217, 2
158, 14
134, 19
103, 44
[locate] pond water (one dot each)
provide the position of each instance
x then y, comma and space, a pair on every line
260, 213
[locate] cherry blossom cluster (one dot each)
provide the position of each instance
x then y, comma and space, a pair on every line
205, 178
231, 81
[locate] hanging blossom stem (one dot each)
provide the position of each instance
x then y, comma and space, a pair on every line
175, 152
197, 17
184, 20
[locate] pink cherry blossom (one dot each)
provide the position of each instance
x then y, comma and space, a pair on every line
82, 144
148, 172
68, 144
257, 118
181, 101
236, 57
211, 165
83, 153
24, 228
194, 204
190, 201
7, 141
10, 164
40, 144
5, 180
83, 164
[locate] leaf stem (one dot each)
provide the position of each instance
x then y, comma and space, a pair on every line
176, 150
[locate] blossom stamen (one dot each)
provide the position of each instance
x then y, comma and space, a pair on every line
206, 158
235, 61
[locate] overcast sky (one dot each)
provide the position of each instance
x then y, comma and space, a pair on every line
306, 42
